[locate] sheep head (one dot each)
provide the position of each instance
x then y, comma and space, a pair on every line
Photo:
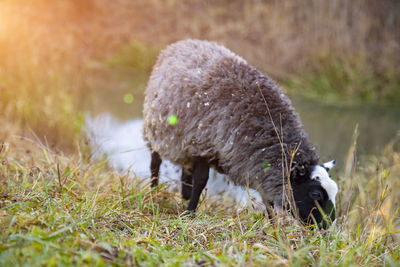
314, 194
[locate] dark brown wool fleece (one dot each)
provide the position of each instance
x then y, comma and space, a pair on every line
222, 116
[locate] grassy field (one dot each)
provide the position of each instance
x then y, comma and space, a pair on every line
58, 210
59, 207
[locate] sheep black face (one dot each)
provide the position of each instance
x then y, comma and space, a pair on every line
315, 194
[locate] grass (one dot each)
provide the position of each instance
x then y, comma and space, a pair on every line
59, 210
40, 80
57, 207
45, 87
346, 81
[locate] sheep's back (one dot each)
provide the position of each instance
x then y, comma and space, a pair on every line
179, 86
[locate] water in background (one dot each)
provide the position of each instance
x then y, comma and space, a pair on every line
331, 128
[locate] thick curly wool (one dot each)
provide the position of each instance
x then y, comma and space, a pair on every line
222, 116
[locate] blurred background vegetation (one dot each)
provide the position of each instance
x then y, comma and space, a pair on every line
60, 58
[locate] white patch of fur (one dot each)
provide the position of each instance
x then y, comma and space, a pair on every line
330, 186
329, 165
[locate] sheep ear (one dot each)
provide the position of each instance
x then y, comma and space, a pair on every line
329, 165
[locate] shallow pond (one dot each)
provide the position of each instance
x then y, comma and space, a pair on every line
331, 128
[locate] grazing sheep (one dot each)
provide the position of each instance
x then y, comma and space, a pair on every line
207, 107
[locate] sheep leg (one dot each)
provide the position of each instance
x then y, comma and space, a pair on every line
201, 169
187, 183
155, 168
